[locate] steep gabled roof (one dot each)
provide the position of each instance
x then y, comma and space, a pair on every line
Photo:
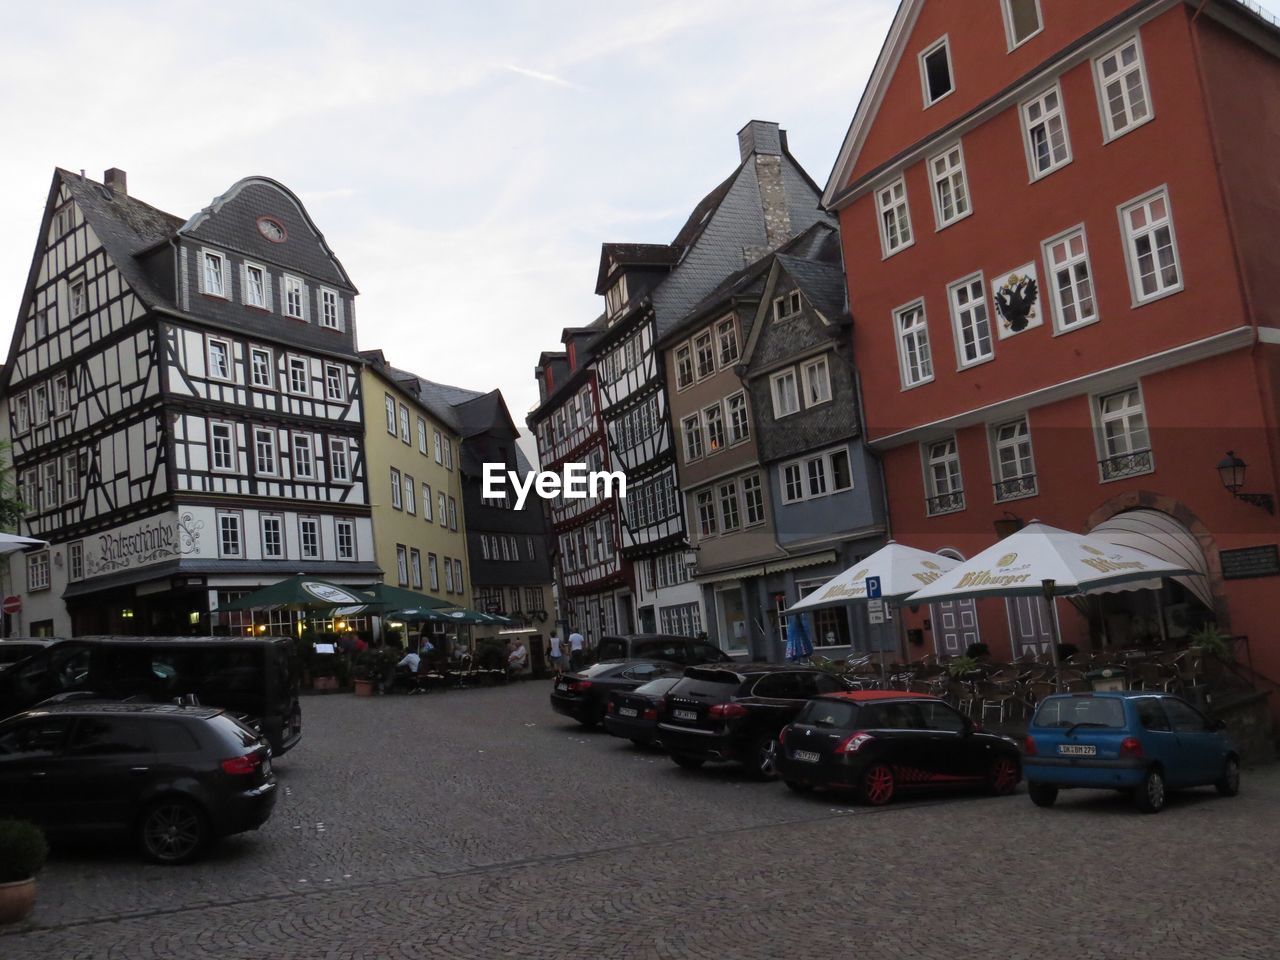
822, 284
633, 255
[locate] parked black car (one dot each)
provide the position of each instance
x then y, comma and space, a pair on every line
685, 651
177, 778
881, 742
583, 695
19, 648
735, 713
634, 715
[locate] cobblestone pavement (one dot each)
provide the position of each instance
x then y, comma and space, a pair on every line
479, 824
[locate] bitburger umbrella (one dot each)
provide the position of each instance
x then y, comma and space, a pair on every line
303, 592
902, 571
398, 598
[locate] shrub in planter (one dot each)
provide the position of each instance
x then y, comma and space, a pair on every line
22, 854
959, 666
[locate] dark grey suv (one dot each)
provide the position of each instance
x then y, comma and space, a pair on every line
177, 778
685, 651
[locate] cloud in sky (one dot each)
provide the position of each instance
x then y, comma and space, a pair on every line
464, 162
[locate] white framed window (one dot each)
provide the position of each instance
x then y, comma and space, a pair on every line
448, 574
330, 309
971, 321
704, 354
1066, 258
817, 381
530, 550
41, 395
950, 186
730, 513
261, 367
396, 501
1044, 129
936, 81
293, 297
816, 475
345, 538
214, 274
70, 477
264, 450
79, 302
49, 484
389, 404
422, 436
1014, 466
410, 495
895, 217
457, 577
786, 393
255, 286
944, 487
792, 482
753, 499
787, 307
1021, 20
402, 565
335, 385
727, 340
616, 296
304, 456
708, 525
692, 429
739, 418
219, 359
405, 435
448, 453
299, 376
272, 537
223, 443
75, 560
438, 442
21, 414
442, 509
1121, 76
339, 460
1150, 247
713, 417
61, 395
38, 571
453, 514
1124, 444
230, 539
912, 333
684, 366
64, 218
433, 572
426, 502
309, 537
415, 568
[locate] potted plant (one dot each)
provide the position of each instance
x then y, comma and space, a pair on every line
1211, 641
962, 666
370, 667
22, 854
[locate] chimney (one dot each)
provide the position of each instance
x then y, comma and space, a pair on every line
760, 137
116, 181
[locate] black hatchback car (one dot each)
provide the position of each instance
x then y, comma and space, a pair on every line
685, 651
634, 715
177, 778
735, 713
880, 742
584, 695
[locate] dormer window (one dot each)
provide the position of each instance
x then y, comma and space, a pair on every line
330, 309
294, 298
215, 274
935, 72
1021, 20
786, 306
255, 286
615, 297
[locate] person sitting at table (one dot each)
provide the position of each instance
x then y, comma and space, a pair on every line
517, 658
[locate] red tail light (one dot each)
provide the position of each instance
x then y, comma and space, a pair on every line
242, 766
609, 707
726, 711
853, 743
650, 714
782, 737
576, 685
660, 706
1131, 747
1029, 746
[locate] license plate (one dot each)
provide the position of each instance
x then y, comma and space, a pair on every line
626, 711
808, 756
1077, 750
562, 687
685, 714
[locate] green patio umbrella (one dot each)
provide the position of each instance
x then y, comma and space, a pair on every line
302, 592
449, 616
402, 600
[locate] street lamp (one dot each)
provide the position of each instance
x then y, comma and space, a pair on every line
1231, 471
691, 558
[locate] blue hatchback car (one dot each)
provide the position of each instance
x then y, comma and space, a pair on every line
1136, 741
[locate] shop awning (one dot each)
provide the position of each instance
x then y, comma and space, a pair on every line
1161, 536
771, 566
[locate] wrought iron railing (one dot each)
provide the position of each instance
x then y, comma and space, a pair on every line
1126, 464
945, 503
1015, 487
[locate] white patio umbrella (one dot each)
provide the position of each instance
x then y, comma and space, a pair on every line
1050, 562
9, 542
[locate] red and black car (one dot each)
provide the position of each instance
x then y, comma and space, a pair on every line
880, 742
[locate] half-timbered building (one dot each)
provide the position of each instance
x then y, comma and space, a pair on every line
184, 405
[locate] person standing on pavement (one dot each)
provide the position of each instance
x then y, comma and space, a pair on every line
555, 655
576, 645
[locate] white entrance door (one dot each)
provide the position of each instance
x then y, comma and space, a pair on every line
955, 626
1028, 626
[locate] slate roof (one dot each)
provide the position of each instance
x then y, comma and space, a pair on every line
821, 283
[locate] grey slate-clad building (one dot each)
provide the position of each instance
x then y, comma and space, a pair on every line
184, 407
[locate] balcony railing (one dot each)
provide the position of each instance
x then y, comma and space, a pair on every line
945, 503
1016, 487
1126, 465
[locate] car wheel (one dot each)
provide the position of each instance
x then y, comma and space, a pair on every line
173, 831
686, 761
797, 787
878, 785
1004, 776
1229, 785
1150, 794
1042, 795
764, 761
640, 742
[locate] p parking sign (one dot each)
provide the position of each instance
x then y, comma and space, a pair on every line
873, 588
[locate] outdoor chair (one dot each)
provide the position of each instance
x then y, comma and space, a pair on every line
1156, 676
995, 696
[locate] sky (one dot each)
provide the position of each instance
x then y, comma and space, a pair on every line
465, 162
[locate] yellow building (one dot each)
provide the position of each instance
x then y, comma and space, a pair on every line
414, 478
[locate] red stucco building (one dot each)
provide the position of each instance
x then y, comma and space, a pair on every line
1059, 225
